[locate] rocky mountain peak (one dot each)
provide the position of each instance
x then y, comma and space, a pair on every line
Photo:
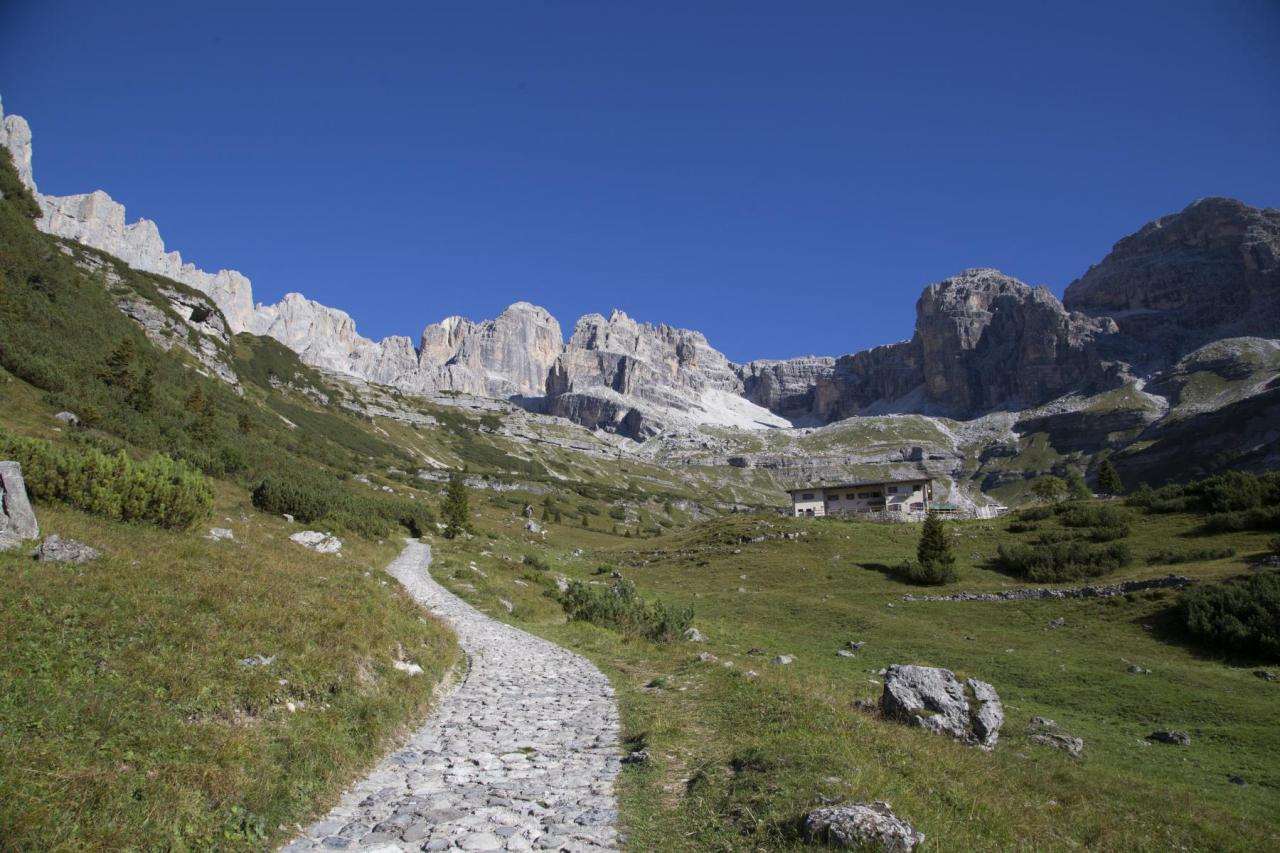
1208, 272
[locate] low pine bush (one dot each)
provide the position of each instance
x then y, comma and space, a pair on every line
1241, 614
1062, 561
161, 491
619, 607
1196, 555
314, 497
1093, 515
926, 574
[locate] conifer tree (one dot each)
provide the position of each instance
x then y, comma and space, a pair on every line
454, 509
121, 367
1109, 482
937, 563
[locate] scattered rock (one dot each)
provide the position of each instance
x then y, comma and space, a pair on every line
407, 667
1265, 674
862, 826
856, 645
1137, 670
55, 549
742, 589
693, 635
219, 534
17, 519
755, 650
936, 700
324, 543
68, 418
507, 605
1099, 591
1237, 780
532, 526
287, 517
845, 653
639, 756
707, 657
1176, 738
783, 660
1058, 623
258, 660
1046, 733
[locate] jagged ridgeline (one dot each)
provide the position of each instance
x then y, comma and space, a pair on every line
1163, 358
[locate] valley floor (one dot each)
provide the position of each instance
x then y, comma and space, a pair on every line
743, 747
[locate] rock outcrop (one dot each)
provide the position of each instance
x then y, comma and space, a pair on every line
988, 341
509, 356
983, 341
935, 699
862, 826
1211, 271
55, 549
17, 519
638, 379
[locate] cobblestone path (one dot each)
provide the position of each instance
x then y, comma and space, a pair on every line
522, 755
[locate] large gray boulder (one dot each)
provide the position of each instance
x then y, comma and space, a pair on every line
17, 519
862, 826
935, 699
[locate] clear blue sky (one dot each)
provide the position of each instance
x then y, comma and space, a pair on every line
784, 177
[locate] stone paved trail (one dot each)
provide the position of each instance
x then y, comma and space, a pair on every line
522, 755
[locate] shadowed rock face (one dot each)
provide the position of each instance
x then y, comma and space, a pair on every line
989, 341
1209, 272
982, 341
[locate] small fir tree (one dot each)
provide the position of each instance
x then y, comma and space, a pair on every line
933, 555
1109, 482
454, 509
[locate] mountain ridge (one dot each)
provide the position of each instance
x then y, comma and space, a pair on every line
982, 342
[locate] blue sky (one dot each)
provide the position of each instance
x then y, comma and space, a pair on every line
785, 177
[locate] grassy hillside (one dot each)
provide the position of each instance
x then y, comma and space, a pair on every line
127, 720
738, 759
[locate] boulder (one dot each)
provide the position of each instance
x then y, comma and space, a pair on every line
55, 549
324, 543
17, 519
219, 534
935, 699
68, 418
532, 526
1175, 738
693, 635
862, 826
783, 660
1047, 733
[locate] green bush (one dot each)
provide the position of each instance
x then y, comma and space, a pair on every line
535, 562
619, 607
161, 490
1023, 527
311, 497
1093, 515
1236, 500
1062, 561
1193, 556
1109, 533
1242, 614
306, 498
1035, 513
926, 574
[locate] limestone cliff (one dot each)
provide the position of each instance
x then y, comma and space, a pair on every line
1209, 272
